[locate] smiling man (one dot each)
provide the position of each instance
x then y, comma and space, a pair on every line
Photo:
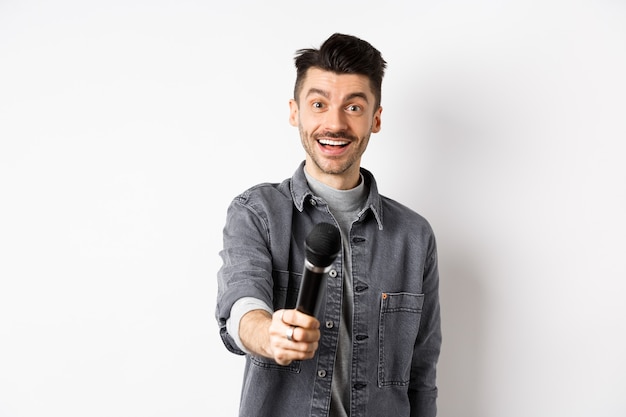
335, 113
374, 347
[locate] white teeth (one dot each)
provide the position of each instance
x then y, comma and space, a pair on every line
333, 142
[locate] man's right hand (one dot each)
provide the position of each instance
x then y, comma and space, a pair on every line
268, 336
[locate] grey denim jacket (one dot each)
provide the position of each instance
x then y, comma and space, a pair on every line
396, 324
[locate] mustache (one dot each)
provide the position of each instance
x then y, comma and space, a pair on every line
334, 135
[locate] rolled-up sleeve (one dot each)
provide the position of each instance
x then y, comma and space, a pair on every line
240, 309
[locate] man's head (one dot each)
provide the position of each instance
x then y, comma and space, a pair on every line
342, 54
337, 107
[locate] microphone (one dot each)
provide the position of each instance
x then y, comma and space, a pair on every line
322, 246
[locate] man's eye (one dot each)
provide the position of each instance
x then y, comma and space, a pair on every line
354, 107
317, 105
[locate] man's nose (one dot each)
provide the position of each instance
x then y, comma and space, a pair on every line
335, 120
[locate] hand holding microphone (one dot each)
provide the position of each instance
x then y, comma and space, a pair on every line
294, 334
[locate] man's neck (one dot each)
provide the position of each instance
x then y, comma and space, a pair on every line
345, 181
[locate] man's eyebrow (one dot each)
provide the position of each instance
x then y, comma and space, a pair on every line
325, 94
318, 91
357, 95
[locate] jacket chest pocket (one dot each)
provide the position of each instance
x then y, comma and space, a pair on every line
399, 322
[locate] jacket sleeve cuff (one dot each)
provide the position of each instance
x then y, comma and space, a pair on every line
240, 308
424, 403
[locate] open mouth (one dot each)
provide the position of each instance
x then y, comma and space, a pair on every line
333, 143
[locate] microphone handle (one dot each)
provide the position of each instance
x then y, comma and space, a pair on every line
309, 296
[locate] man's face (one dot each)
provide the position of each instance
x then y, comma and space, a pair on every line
335, 115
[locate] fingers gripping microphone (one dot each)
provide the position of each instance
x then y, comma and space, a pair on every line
322, 246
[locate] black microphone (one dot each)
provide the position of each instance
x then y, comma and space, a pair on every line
322, 246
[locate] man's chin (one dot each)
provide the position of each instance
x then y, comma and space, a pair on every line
330, 168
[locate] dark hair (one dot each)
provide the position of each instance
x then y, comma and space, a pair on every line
343, 54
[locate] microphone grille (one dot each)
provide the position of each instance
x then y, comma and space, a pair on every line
323, 244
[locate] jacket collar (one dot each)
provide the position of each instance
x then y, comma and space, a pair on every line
301, 193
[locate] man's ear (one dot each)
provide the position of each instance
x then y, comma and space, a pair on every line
377, 122
293, 113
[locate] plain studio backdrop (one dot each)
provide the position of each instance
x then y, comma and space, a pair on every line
126, 127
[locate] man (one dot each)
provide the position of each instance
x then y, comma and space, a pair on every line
374, 349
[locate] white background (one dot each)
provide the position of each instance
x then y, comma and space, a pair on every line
126, 127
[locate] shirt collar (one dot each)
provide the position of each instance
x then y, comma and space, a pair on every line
301, 193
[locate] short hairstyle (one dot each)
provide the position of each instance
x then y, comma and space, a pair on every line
342, 54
